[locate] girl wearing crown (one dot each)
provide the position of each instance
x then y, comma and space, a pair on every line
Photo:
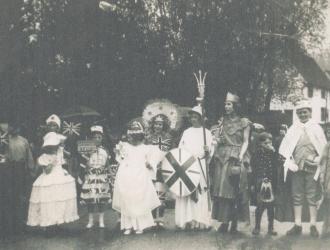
134, 195
230, 166
96, 187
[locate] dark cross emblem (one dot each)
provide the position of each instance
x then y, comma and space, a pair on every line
180, 172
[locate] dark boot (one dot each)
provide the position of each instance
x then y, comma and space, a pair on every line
256, 231
294, 231
271, 231
223, 228
258, 214
314, 232
233, 227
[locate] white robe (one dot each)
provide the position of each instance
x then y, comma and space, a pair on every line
134, 193
187, 210
290, 140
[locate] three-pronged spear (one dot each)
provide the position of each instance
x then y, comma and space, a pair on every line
200, 78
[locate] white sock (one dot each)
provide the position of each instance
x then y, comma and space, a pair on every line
90, 220
101, 219
297, 215
313, 215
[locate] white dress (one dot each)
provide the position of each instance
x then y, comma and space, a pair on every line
187, 210
53, 198
134, 193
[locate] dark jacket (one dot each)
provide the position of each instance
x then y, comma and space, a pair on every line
263, 164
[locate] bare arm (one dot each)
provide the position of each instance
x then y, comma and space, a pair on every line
245, 144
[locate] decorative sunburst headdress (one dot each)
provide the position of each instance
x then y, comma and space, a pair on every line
160, 108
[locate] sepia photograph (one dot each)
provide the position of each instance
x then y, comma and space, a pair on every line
164, 124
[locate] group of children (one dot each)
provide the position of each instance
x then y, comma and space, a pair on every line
138, 192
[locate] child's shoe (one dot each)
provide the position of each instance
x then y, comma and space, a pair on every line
223, 228
271, 231
89, 225
127, 231
256, 231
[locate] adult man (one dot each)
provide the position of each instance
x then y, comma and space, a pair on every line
20, 170
302, 147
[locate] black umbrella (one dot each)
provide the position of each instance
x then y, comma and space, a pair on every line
77, 112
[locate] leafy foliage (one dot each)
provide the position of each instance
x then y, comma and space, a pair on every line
69, 52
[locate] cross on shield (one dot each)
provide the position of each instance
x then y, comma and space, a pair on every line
180, 171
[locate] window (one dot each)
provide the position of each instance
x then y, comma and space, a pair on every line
323, 93
310, 91
324, 114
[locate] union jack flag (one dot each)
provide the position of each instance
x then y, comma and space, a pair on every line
3, 138
70, 128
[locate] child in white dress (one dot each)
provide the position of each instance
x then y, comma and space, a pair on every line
134, 193
53, 198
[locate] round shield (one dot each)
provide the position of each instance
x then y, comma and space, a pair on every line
181, 172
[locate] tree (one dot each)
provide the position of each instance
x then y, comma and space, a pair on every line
71, 52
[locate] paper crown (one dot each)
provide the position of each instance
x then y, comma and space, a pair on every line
54, 119
232, 98
97, 129
135, 128
159, 118
303, 104
196, 109
51, 139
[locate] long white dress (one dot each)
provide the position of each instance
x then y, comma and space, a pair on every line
53, 198
134, 193
187, 210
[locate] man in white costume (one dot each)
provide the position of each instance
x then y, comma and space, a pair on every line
194, 211
302, 147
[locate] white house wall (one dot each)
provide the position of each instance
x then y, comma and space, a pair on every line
317, 102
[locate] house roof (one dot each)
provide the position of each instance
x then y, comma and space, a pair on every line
309, 68
323, 59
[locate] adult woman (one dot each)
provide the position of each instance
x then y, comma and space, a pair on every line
230, 166
193, 211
